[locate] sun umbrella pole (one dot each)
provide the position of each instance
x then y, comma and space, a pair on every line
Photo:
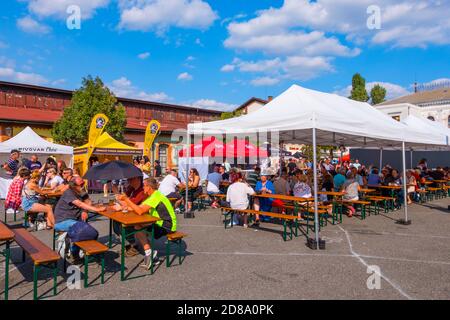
316, 215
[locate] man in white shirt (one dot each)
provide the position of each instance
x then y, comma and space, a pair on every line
169, 185
237, 196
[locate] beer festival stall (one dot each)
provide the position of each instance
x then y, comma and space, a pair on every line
28, 143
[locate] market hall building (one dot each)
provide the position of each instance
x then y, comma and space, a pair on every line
39, 107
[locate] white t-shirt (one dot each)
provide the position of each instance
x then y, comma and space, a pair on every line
169, 185
56, 181
237, 195
214, 179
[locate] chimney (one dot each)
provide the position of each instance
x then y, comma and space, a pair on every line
269, 98
415, 87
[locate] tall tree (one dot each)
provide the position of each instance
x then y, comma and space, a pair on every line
377, 94
93, 97
359, 91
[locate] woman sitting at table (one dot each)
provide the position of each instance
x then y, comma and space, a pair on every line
351, 188
195, 189
52, 179
411, 185
264, 186
30, 199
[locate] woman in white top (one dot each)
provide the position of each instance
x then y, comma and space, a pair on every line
52, 179
237, 196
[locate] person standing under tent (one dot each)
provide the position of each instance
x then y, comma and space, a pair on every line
12, 165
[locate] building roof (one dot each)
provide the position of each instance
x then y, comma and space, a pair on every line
120, 99
47, 117
423, 98
251, 100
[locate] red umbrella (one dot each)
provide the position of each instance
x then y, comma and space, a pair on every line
209, 147
243, 148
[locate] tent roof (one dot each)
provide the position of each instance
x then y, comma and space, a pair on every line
338, 120
28, 141
108, 142
434, 129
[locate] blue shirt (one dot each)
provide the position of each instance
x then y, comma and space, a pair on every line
338, 180
265, 203
373, 179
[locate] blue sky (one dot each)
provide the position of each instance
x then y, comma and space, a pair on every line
217, 54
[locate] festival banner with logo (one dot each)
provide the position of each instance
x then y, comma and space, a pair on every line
151, 132
98, 124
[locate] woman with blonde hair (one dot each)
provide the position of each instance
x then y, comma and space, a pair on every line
30, 199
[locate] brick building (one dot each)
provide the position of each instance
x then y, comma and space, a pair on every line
39, 107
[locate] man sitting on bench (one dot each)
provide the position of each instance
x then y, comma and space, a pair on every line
237, 197
73, 206
159, 206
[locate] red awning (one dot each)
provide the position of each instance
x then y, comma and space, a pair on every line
209, 147
243, 148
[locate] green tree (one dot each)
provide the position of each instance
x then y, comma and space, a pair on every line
229, 115
377, 94
93, 97
359, 92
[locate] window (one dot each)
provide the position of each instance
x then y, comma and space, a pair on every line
430, 118
163, 148
396, 118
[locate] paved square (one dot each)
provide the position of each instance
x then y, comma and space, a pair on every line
242, 263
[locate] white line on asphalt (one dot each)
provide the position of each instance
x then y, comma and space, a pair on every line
272, 254
394, 285
406, 260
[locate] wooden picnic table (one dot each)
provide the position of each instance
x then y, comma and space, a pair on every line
332, 193
127, 219
283, 197
6, 236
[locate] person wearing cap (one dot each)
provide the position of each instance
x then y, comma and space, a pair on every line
12, 165
265, 186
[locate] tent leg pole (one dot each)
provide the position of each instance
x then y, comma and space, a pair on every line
405, 189
381, 159
316, 215
188, 148
411, 159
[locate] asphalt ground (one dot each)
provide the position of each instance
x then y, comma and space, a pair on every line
238, 263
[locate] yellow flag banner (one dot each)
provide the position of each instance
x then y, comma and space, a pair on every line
98, 124
150, 134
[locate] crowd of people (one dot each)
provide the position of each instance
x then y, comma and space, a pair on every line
60, 194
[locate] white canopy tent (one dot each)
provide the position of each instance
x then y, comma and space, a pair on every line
318, 118
28, 143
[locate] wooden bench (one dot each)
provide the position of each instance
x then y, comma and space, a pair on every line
437, 193
201, 201
6, 214
175, 238
283, 217
361, 203
6, 237
40, 254
92, 249
388, 202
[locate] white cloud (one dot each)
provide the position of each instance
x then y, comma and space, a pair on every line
185, 76
328, 29
199, 42
392, 90
3, 45
160, 15
190, 58
52, 8
437, 82
144, 55
291, 67
227, 68
264, 81
123, 88
6, 62
11, 74
59, 82
213, 105
29, 25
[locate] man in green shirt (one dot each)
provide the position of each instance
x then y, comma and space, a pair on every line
159, 206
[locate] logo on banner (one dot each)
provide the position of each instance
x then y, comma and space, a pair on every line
154, 128
100, 123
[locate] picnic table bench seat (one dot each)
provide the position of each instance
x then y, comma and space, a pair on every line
175, 238
6, 237
40, 254
92, 249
